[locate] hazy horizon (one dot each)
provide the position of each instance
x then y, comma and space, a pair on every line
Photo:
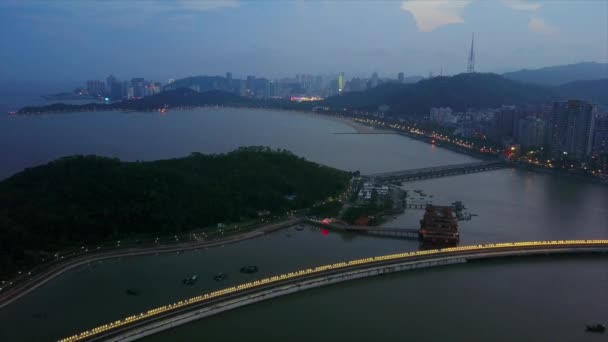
74, 41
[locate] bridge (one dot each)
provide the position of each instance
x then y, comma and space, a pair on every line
204, 305
439, 171
404, 233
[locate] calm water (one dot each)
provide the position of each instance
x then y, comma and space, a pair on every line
26, 141
543, 299
529, 300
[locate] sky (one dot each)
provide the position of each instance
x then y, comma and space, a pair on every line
162, 39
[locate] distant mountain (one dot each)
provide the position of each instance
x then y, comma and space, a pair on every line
561, 74
459, 92
595, 91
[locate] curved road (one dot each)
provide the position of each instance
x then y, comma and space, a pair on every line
174, 314
21, 289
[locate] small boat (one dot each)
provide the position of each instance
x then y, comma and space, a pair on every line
220, 276
249, 269
132, 292
300, 227
598, 328
191, 280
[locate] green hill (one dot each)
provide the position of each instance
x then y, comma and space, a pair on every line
84, 200
460, 92
561, 74
592, 90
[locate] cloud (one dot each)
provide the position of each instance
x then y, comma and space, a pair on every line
538, 25
522, 5
432, 14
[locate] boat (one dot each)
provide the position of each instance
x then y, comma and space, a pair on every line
249, 269
300, 227
598, 328
220, 276
132, 292
191, 280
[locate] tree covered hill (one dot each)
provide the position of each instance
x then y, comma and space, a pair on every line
463, 91
561, 74
595, 91
88, 199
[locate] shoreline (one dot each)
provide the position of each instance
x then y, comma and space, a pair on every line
359, 127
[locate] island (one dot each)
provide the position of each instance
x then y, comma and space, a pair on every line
80, 202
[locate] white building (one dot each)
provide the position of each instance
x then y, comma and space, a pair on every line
443, 115
367, 189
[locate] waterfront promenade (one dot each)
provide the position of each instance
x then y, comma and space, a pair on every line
181, 312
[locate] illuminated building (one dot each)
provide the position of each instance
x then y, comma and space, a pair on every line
600, 137
439, 225
572, 129
305, 98
340, 82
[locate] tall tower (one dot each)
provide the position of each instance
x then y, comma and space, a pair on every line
471, 64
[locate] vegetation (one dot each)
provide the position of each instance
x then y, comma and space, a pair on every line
459, 92
593, 90
328, 209
372, 208
560, 74
85, 200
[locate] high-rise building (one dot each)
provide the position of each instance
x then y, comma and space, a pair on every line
95, 88
110, 80
130, 92
116, 91
401, 77
530, 132
250, 82
374, 81
600, 136
572, 127
138, 84
504, 125
340, 82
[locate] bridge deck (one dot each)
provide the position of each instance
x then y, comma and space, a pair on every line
405, 233
165, 317
441, 170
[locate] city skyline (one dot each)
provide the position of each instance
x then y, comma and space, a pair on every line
162, 40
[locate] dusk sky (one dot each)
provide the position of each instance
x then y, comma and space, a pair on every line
77, 40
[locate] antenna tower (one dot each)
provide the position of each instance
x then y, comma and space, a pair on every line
471, 64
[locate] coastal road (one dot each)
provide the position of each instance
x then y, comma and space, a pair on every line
24, 287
